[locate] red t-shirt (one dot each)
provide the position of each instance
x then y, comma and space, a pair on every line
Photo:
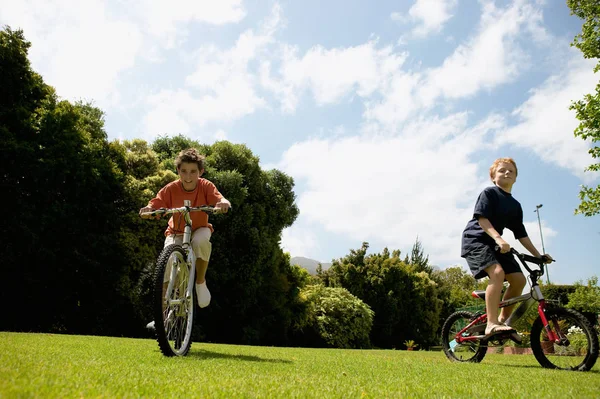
172, 196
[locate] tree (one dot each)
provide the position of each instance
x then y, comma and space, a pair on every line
58, 168
586, 298
454, 288
404, 300
77, 238
588, 109
335, 318
418, 258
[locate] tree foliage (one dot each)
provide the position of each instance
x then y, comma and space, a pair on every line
335, 318
588, 109
58, 172
586, 298
418, 259
85, 257
454, 289
403, 297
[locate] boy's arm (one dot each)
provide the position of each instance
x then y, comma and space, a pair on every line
526, 242
486, 225
155, 203
213, 196
223, 205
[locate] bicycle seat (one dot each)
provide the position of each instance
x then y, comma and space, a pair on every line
478, 294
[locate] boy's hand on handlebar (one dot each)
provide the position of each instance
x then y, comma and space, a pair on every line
503, 246
144, 213
222, 206
547, 258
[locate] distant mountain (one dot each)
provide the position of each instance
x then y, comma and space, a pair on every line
309, 264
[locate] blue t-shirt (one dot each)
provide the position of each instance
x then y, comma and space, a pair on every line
502, 210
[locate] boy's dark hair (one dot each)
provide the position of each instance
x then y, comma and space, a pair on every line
190, 155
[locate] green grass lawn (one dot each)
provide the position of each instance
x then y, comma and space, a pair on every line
63, 366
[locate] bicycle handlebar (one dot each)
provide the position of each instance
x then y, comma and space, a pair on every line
168, 211
524, 258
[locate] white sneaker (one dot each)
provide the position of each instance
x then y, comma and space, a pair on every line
203, 295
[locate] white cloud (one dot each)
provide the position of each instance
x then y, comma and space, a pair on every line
392, 188
299, 241
236, 98
491, 58
332, 74
220, 135
222, 88
167, 21
80, 48
83, 48
398, 100
545, 123
430, 15
533, 231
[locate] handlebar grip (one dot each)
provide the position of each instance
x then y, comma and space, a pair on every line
533, 259
525, 257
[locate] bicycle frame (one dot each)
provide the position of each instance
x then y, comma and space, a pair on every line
186, 209
174, 303
527, 300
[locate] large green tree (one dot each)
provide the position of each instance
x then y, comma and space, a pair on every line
403, 297
61, 237
80, 258
454, 289
588, 109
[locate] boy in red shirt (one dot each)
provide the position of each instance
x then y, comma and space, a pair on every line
200, 192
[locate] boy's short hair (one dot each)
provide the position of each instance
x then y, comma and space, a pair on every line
498, 161
190, 155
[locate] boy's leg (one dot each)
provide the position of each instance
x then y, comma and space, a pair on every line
492, 298
516, 283
201, 267
202, 249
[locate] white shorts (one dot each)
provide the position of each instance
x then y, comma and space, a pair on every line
200, 242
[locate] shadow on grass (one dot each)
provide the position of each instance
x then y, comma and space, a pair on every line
204, 354
537, 366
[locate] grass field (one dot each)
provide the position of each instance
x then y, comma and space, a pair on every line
66, 366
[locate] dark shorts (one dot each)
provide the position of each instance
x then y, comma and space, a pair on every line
482, 257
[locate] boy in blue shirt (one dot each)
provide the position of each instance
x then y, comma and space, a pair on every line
495, 210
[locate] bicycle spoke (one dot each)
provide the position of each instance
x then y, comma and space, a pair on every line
470, 351
577, 344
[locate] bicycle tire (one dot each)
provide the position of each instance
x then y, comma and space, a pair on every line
470, 352
581, 351
174, 317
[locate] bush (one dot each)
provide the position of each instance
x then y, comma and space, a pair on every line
558, 293
586, 298
335, 318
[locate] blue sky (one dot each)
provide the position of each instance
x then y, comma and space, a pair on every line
386, 114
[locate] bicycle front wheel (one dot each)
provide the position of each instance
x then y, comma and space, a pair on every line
173, 305
577, 348
471, 351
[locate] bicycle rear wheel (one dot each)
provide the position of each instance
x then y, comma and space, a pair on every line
173, 305
472, 351
578, 347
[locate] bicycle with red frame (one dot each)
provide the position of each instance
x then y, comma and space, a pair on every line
560, 338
